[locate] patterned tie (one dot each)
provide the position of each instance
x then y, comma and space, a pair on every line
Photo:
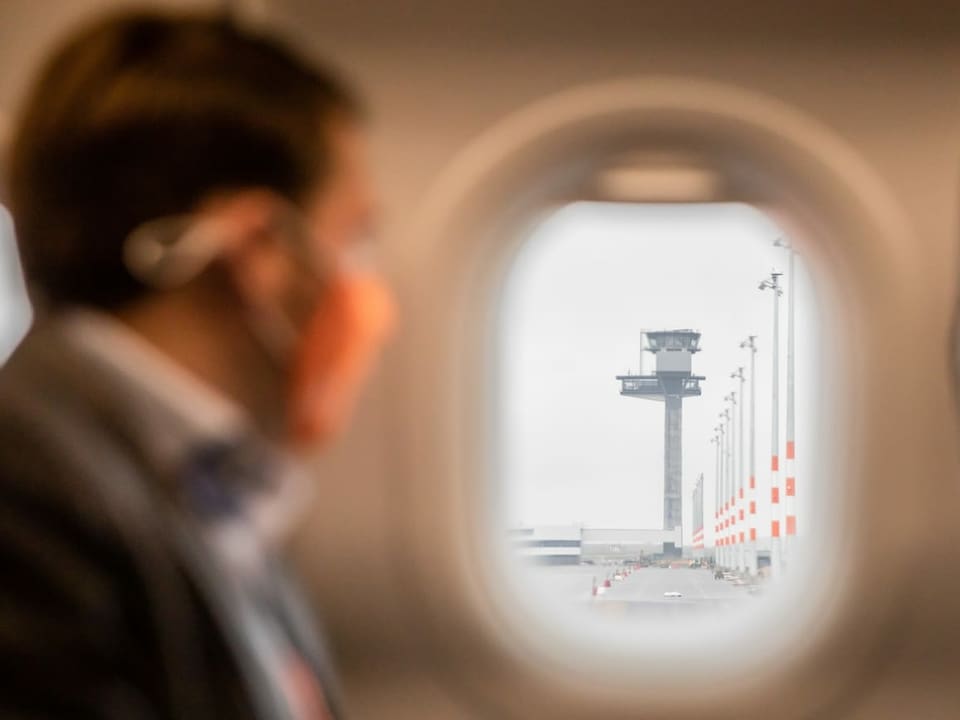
218, 479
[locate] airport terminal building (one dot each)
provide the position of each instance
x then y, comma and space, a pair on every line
572, 545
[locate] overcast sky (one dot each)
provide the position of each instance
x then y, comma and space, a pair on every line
589, 280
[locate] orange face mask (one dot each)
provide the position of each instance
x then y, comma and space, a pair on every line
340, 343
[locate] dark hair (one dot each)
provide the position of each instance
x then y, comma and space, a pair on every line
142, 116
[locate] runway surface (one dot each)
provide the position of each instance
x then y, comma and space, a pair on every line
642, 592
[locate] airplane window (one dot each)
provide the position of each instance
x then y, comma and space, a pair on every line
653, 464
15, 311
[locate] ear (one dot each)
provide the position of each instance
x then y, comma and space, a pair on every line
254, 259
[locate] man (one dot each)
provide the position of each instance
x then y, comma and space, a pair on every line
190, 201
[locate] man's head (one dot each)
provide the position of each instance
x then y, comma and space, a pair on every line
145, 117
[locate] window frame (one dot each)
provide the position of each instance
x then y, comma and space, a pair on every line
857, 238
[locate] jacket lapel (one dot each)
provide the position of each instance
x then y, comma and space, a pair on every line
110, 420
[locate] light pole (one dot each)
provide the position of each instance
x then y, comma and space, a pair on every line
724, 480
790, 485
776, 558
740, 515
731, 399
728, 505
716, 496
751, 345
699, 508
733, 478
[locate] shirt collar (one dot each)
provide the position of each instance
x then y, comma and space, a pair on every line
195, 411
188, 413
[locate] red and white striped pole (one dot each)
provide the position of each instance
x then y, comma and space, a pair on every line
741, 515
776, 558
728, 474
732, 489
716, 496
724, 520
790, 499
750, 343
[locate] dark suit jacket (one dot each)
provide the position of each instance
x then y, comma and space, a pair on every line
110, 604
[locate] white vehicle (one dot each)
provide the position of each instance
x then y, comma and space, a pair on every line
673, 594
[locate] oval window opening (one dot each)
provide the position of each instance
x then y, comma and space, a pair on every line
657, 405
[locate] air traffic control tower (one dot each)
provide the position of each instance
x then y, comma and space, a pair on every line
672, 381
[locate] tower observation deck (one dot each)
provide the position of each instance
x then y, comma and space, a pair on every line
672, 381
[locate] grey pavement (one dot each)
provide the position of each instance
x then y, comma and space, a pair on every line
642, 593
